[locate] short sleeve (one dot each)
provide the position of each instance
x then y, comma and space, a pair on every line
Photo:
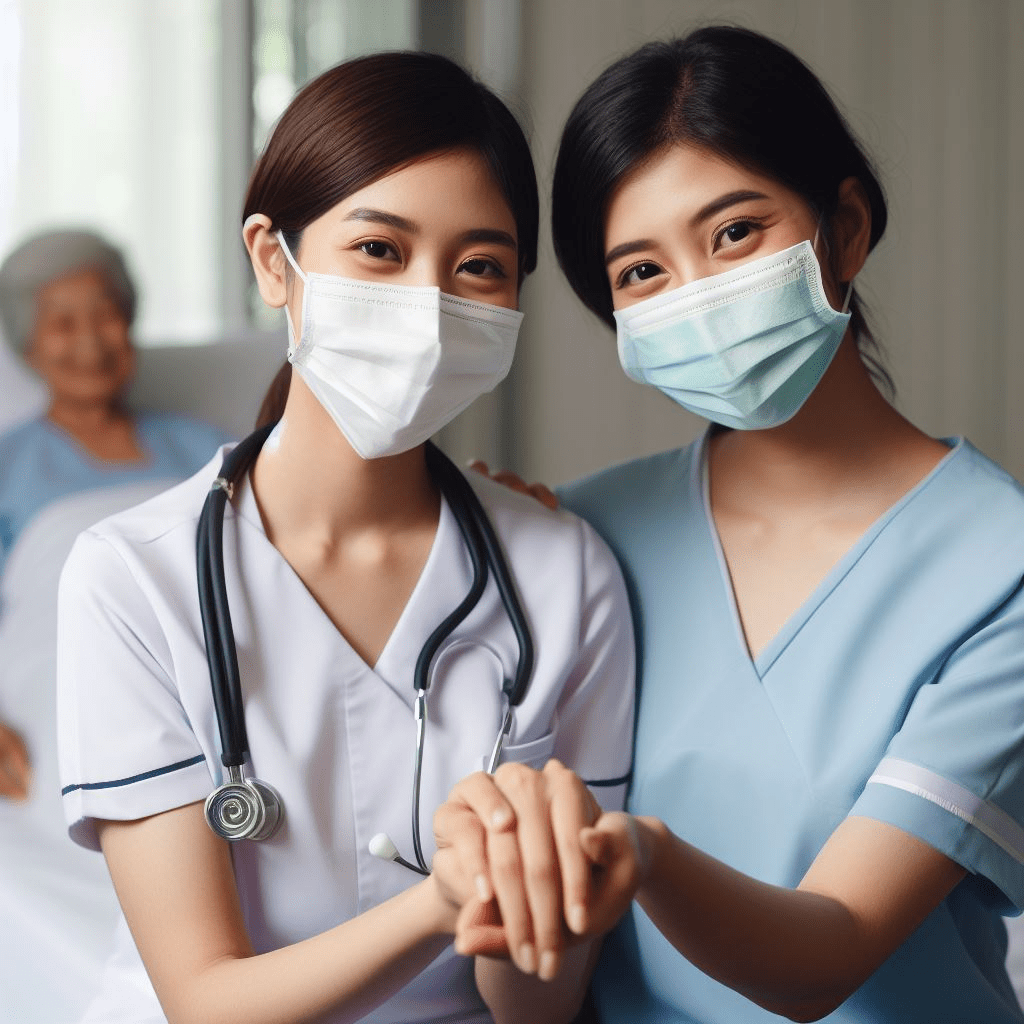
596, 719
953, 774
125, 743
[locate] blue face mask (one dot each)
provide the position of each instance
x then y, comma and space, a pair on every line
745, 348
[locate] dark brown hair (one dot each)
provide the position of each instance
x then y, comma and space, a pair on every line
369, 117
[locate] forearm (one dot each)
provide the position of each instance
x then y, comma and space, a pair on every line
796, 953
512, 996
348, 970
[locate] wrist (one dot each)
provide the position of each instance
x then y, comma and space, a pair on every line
440, 914
653, 836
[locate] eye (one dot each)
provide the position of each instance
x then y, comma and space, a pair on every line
736, 232
480, 266
639, 272
378, 250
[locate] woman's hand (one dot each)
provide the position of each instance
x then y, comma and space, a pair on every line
541, 877
542, 493
15, 770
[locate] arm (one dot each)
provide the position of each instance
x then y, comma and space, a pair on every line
799, 953
174, 878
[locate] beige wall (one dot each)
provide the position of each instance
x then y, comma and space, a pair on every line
935, 89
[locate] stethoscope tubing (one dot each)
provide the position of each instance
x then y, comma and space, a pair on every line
485, 555
213, 603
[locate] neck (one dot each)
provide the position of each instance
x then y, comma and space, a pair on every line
845, 428
84, 419
312, 480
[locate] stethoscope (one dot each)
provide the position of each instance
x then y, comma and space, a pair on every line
247, 808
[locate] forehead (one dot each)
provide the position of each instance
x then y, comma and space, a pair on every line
456, 188
679, 180
77, 287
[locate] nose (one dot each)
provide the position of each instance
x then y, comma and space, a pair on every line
425, 271
89, 344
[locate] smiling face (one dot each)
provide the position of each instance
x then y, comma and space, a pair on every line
442, 221
80, 344
688, 214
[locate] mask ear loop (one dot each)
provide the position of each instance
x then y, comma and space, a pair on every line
279, 235
849, 287
292, 345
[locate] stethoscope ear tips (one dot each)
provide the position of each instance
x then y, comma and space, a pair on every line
243, 809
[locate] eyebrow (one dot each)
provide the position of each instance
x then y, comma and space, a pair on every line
393, 220
493, 235
703, 214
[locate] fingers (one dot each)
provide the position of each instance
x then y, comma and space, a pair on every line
540, 492
528, 792
479, 931
508, 876
573, 808
544, 495
474, 808
15, 770
460, 863
613, 848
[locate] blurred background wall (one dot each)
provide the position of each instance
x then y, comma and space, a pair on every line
142, 117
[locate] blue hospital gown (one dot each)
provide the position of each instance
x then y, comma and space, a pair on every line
895, 692
40, 463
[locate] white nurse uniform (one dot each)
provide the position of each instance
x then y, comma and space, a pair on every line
333, 735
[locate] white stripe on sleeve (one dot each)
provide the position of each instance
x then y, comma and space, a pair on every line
986, 817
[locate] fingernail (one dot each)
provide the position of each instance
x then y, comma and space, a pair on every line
548, 965
500, 818
577, 918
527, 958
483, 888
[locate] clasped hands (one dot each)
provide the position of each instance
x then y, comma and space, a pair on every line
533, 864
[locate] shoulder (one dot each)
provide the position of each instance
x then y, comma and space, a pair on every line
24, 437
969, 504
972, 473
167, 512
24, 451
555, 546
521, 517
623, 501
181, 428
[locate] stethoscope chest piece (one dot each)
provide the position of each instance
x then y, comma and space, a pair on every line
243, 808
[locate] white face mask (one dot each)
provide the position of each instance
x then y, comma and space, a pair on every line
393, 364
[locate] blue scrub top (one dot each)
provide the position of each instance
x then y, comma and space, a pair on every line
895, 692
41, 463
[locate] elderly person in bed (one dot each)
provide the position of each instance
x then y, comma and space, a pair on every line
67, 303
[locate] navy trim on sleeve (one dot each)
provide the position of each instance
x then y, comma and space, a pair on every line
620, 781
135, 778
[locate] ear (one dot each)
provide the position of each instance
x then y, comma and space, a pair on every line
268, 260
851, 229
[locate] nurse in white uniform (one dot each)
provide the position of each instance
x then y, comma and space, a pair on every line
828, 788
393, 213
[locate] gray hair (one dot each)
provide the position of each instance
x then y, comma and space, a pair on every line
46, 257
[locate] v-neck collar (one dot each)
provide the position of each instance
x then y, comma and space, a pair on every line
791, 627
442, 584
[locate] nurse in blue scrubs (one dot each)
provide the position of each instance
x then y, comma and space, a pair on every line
828, 788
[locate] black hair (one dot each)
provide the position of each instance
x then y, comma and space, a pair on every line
731, 91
